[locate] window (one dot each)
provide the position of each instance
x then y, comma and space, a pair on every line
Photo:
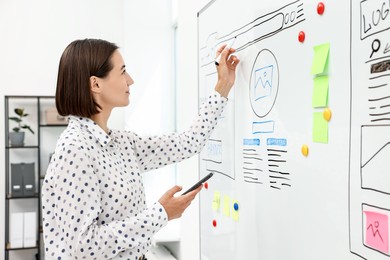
151, 54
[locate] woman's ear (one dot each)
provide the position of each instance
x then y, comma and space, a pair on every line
94, 84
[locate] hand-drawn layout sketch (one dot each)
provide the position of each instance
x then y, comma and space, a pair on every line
263, 84
370, 130
257, 156
303, 145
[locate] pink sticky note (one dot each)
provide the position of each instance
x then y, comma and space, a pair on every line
377, 232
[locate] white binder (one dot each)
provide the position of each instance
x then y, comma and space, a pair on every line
30, 229
16, 230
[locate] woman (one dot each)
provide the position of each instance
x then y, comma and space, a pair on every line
93, 197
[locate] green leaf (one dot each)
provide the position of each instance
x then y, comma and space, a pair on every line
15, 119
19, 111
27, 127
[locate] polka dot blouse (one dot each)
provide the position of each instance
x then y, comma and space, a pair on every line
93, 201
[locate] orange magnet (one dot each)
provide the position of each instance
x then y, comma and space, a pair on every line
214, 223
206, 185
305, 150
327, 114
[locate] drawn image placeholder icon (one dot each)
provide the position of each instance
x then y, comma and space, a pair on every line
264, 83
376, 231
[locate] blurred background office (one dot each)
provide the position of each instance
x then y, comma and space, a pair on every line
158, 40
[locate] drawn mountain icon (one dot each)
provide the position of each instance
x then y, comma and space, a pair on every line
263, 82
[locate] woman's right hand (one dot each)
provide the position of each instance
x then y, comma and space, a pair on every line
175, 206
226, 69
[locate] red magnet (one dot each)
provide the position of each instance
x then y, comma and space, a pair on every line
301, 36
320, 8
214, 223
206, 185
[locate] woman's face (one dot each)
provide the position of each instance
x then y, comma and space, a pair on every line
115, 88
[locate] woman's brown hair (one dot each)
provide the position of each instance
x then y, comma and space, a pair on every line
80, 60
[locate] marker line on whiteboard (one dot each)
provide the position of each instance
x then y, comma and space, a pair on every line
218, 59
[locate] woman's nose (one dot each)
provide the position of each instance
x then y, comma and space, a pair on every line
130, 80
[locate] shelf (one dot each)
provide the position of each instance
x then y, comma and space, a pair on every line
36, 149
53, 125
9, 197
8, 248
23, 147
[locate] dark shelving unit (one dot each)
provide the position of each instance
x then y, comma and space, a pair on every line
34, 149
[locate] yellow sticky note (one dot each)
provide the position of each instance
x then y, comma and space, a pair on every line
320, 91
320, 128
235, 214
226, 205
320, 59
216, 200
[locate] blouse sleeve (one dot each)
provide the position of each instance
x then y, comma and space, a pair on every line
76, 189
158, 151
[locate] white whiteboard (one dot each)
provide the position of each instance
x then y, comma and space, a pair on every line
333, 203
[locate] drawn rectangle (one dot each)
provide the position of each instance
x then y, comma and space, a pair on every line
263, 127
370, 25
375, 151
213, 151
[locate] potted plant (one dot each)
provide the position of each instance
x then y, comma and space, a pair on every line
17, 136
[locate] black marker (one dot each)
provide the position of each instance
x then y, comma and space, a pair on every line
218, 59
208, 176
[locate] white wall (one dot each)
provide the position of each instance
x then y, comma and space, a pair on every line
149, 60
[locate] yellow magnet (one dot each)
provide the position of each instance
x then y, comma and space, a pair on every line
327, 114
305, 150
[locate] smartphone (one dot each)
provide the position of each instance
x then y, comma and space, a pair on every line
196, 185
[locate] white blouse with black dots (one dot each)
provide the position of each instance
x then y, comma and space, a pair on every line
93, 201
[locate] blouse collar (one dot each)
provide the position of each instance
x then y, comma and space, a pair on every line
91, 126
